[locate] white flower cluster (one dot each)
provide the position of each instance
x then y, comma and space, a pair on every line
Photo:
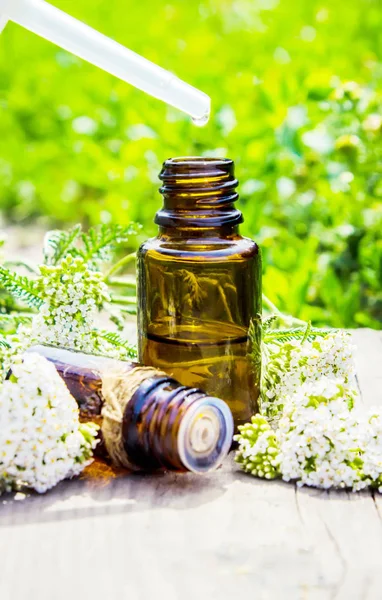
324, 439
289, 364
258, 452
72, 296
319, 436
41, 438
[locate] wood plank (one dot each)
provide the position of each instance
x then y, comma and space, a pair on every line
368, 362
349, 525
181, 537
340, 522
368, 359
174, 534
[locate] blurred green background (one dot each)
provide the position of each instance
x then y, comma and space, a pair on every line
296, 100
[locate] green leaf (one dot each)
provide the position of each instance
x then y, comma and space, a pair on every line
58, 244
118, 342
255, 335
100, 242
20, 287
287, 335
267, 322
3, 342
13, 320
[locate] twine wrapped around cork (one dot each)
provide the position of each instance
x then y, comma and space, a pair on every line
118, 387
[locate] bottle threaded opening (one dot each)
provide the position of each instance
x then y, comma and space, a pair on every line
198, 192
194, 172
197, 166
175, 427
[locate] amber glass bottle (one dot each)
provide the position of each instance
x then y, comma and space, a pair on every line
161, 424
199, 286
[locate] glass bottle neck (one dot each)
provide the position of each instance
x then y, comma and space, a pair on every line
198, 194
222, 232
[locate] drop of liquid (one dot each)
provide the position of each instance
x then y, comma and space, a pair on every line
201, 121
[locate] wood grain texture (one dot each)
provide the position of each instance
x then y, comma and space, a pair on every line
111, 535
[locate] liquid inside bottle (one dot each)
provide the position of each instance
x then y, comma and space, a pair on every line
200, 286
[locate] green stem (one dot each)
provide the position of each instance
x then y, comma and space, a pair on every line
124, 300
22, 263
16, 309
130, 310
15, 315
269, 304
307, 332
122, 282
286, 320
126, 260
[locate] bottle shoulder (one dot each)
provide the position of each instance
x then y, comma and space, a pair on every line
195, 248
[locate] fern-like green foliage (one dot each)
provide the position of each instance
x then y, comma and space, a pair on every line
21, 287
100, 242
282, 336
255, 337
4, 343
5, 350
94, 246
57, 244
267, 323
7, 302
116, 340
10, 322
14, 319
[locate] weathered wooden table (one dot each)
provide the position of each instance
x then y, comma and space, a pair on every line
185, 537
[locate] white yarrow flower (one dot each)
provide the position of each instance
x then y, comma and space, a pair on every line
72, 296
324, 439
290, 364
321, 436
41, 438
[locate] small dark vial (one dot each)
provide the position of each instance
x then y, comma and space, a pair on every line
164, 425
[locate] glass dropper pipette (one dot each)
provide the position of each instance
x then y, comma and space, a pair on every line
58, 27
